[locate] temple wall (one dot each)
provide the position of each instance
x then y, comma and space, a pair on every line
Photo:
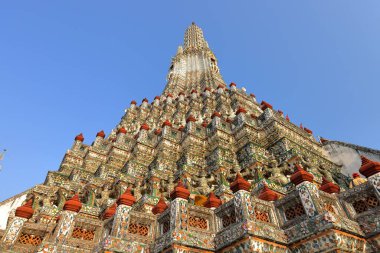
204, 169
348, 155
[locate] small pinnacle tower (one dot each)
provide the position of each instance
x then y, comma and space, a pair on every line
202, 168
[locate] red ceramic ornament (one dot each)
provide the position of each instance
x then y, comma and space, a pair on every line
126, 198
160, 207
329, 187
369, 167
110, 212
79, 137
268, 194
73, 204
240, 184
212, 201
300, 175
25, 211
180, 191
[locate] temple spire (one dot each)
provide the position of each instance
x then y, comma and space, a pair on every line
194, 38
194, 67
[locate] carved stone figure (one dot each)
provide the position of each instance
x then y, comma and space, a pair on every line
202, 183
277, 172
167, 187
103, 196
90, 195
62, 197
326, 173
48, 200
320, 170
138, 190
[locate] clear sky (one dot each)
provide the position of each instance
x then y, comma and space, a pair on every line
73, 66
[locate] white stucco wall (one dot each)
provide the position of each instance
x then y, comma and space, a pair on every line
8, 206
348, 155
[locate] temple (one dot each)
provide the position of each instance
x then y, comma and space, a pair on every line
202, 168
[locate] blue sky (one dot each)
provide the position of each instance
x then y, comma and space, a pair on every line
73, 66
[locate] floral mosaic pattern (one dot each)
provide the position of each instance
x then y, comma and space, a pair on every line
121, 221
13, 230
332, 240
305, 190
64, 226
243, 206
178, 216
260, 246
118, 245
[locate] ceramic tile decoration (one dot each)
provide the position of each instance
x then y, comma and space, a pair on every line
203, 168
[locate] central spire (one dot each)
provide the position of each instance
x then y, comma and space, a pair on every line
194, 38
194, 66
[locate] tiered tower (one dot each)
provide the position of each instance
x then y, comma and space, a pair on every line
202, 168
194, 66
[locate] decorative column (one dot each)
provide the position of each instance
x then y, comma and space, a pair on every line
181, 97
371, 170
190, 123
121, 219
308, 191
215, 119
242, 198
166, 126
120, 136
178, 209
169, 98
66, 219
220, 88
143, 133
144, 103
253, 96
267, 108
206, 92
233, 86
78, 141
370, 223
240, 114
194, 94
99, 138
23, 213
133, 104
156, 101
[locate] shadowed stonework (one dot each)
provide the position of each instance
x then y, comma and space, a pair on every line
202, 168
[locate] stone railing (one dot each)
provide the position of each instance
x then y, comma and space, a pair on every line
201, 219
290, 210
264, 212
142, 226
225, 216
